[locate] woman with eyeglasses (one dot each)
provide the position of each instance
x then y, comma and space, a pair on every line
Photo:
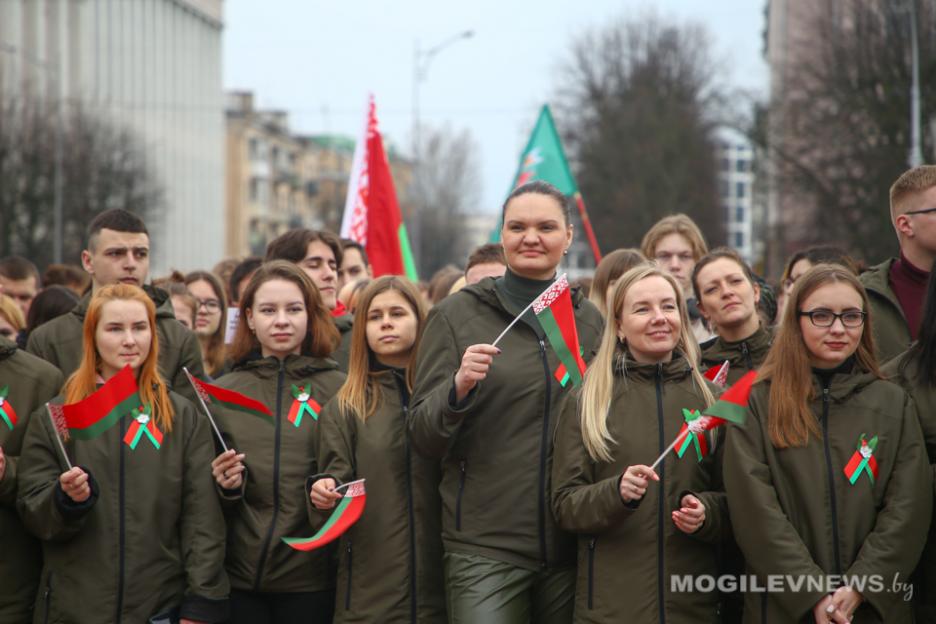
829, 485
803, 260
210, 320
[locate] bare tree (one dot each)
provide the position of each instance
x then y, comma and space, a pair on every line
637, 101
102, 167
446, 188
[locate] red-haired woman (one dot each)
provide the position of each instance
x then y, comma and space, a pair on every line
829, 485
134, 532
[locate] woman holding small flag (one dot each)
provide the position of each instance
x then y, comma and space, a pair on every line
829, 476
641, 390
488, 413
280, 354
390, 566
133, 532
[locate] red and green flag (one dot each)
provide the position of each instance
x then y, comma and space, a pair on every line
7, 413
690, 437
372, 214
863, 460
553, 309
346, 513
732, 405
718, 375
95, 414
231, 400
544, 159
143, 426
303, 403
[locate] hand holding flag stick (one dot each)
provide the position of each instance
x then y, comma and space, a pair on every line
346, 513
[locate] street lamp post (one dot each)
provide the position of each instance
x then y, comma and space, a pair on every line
421, 61
916, 147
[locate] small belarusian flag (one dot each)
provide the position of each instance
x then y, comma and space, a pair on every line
232, 400
553, 309
863, 460
692, 438
143, 424
95, 414
7, 413
303, 403
346, 513
718, 375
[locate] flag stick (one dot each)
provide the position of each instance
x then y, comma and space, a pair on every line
58, 436
205, 407
525, 310
586, 224
348, 484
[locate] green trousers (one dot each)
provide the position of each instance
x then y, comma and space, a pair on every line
480, 590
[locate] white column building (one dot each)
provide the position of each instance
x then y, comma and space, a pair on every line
152, 66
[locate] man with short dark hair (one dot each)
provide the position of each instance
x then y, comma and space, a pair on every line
19, 280
897, 287
240, 276
488, 260
318, 253
354, 263
118, 252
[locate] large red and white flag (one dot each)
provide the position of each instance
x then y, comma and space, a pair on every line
372, 215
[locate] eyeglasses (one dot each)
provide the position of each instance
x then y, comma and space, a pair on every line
212, 305
924, 211
826, 318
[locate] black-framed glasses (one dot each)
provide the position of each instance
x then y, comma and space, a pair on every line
212, 305
924, 211
826, 318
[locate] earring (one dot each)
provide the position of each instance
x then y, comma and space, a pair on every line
565, 253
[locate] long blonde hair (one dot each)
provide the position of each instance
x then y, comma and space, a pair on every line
595, 400
152, 388
360, 395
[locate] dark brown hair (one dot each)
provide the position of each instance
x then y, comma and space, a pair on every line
540, 187
294, 244
612, 267
489, 253
719, 253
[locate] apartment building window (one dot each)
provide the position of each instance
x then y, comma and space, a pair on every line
724, 188
742, 165
725, 164
259, 191
740, 189
738, 240
739, 214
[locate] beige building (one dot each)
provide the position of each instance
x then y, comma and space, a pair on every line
278, 180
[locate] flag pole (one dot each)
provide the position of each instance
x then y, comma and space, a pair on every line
205, 407
347, 485
586, 224
58, 436
525, 310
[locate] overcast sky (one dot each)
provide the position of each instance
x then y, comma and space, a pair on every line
319, 60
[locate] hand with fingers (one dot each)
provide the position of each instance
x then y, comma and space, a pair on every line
690, 517
228, 469
323, 494
826, 611
846, 599
75, 484
634, 482
475, 364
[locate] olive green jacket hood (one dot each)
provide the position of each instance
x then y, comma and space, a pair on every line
496, 446
888, 323
795, 511
280, 456
742, 356
29, 383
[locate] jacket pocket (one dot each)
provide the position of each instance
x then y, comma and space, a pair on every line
347, 600
591, 571
462, 474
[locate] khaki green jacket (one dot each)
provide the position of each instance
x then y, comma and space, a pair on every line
903, 370
391, 560
496, 447
150, 538
627, 554
59, 342
891, 333
30, 382
795, 512
742, 356
345, 324
280, 456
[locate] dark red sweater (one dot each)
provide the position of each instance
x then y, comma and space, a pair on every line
909, 284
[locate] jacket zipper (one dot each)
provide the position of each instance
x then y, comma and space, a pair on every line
265, 551
404, 401
591, 570
461, 490
831, 476
661, 496
746, 354
122, 529
47, 598
347, 598
544, 450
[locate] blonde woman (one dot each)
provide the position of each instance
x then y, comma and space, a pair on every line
637, 527
391, 560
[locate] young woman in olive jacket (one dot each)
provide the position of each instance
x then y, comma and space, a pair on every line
280, 352
134, 531
638, 527
390, 566
489, 414
829, 475
915, 371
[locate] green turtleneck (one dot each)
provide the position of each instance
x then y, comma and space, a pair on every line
517, 292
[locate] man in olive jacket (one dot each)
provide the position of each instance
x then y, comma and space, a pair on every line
118, 251
897, 286
26, 382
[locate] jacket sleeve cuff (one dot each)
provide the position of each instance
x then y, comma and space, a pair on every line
633, 504
71, 510
233, 494
203, 609
460, 407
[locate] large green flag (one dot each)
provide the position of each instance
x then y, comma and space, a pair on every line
543, 159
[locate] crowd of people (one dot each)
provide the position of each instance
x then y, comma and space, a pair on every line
496, 490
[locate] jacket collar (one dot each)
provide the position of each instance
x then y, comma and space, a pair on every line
485, 291
626, 366
294, 365
7, 348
